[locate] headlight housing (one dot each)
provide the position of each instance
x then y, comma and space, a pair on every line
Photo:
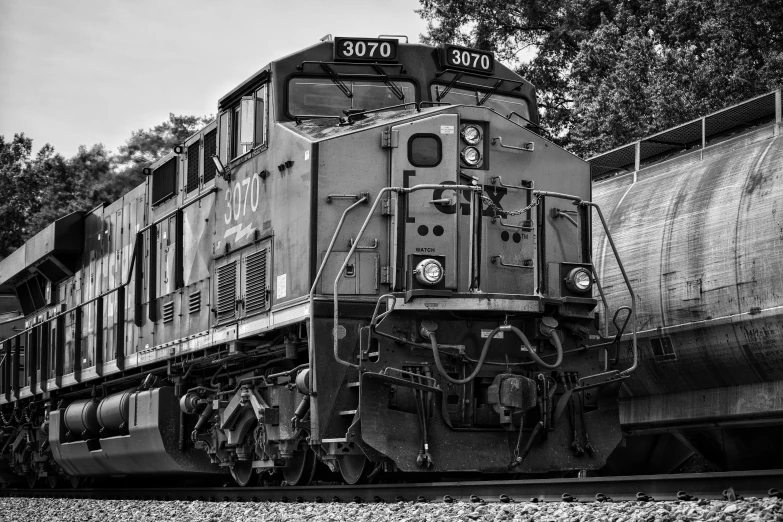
471, 156
429, 272
579, 280
471, 134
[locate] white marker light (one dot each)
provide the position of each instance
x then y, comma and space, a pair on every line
579, 280
429, 272
471, 134
471, 156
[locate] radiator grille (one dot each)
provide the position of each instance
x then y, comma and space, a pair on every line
164, 181
210, 148
226, 292
194, 302
255, 286
193, 160
168, 312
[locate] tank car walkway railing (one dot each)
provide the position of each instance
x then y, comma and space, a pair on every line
610, 375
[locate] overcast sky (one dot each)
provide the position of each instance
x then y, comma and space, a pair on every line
80, 72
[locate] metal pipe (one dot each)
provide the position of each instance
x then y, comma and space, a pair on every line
544, 193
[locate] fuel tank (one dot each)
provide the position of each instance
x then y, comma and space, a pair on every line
701, 237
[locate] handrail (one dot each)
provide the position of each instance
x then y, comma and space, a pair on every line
365, 196
627, 284
399, 190
362, 199
578, 201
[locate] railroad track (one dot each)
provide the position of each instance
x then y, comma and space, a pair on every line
686, 486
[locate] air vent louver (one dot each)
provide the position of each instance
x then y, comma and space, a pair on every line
210, 149
255, 270
226, 292
168, 312
194, 302
193, 160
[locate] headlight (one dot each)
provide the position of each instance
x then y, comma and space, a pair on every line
471, 156
471, 134
579, 280
429, 272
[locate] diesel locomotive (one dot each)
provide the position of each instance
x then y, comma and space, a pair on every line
371, 262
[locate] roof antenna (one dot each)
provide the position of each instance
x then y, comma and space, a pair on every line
327, 38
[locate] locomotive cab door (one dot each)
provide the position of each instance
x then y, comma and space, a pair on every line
424, 223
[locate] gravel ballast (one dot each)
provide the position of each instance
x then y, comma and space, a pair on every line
81, 510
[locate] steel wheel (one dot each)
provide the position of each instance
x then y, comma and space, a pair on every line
242, 471
354, 468
32, 478
299, 471
53, 478
74, 481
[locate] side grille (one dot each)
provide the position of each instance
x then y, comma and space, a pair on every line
164, 181
193, 159
255, 287
194, 302
168, 312
226, 292
210, 149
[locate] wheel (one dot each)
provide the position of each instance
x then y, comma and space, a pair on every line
242, 471
354, 468
53, 479
299, 471
32, 478
74, 481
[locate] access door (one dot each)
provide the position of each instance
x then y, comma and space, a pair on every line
424, 223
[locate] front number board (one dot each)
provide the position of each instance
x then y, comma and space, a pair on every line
359, 49
457, 57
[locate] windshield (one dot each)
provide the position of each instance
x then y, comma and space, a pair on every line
321, 96
503, 104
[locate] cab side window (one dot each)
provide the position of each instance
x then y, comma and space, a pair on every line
245, 126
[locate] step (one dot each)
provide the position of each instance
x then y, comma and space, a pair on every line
327, 441
352, 384
347, 412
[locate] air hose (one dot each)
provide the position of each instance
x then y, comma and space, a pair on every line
485, 349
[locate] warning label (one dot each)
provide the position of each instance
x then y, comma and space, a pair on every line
485, 334
447, 129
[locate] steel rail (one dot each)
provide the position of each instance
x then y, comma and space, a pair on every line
710, 486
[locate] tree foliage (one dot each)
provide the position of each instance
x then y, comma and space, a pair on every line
37, 190
611, 72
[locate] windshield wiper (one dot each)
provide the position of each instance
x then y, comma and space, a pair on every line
337, 81
389, 83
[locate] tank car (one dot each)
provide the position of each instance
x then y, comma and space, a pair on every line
696, 212
370, 262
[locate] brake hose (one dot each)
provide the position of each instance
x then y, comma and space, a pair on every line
485, 350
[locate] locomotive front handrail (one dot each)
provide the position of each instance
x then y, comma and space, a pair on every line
399, 190
508, 225
365, 196
373, 246
526, 147
579, 201
524, 184
499, 259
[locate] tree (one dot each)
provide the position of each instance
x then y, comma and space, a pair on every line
39, 190
611, 72
19, 191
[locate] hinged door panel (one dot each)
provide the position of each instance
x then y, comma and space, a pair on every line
425, 222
